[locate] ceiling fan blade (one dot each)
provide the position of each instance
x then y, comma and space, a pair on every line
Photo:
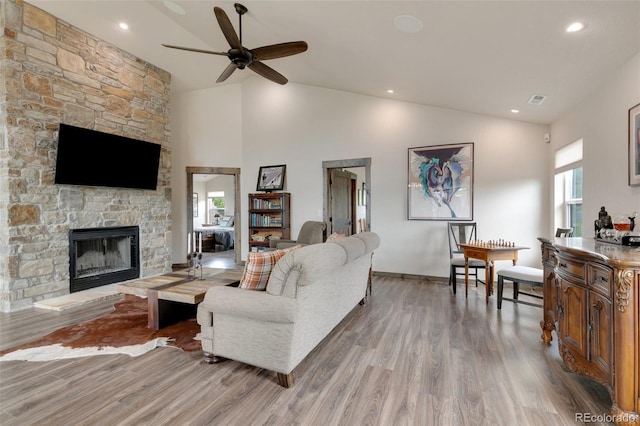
227, 72
227, 28
279, 50
268, 72
191, 49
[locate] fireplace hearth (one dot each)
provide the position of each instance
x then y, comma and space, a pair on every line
101, 256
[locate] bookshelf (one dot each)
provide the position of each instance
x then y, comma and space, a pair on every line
269, 216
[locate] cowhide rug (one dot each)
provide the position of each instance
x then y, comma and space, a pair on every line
124, 331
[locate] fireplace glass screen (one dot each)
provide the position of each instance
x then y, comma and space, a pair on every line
100, 256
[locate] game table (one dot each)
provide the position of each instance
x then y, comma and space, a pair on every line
488, 252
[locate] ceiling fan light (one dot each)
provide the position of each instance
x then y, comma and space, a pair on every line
407, 24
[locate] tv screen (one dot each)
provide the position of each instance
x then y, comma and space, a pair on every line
92, 158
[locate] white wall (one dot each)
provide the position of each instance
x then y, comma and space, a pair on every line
206, 131
226, 184
602, 122
200, 188
301, 126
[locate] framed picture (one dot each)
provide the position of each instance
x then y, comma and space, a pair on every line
441, 182
634, 146
195, 204
271, 178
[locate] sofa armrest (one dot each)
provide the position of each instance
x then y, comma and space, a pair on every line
255, 305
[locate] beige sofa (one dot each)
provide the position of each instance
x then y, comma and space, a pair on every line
309, 292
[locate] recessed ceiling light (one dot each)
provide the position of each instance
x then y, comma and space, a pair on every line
407, 24
575, 27
123, 25
174, 7
515, 111
390, 91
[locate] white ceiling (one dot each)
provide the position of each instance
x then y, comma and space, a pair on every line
478, 56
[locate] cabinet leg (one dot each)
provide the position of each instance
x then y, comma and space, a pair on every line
626, 418
547, 328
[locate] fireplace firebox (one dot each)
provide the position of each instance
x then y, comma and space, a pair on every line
101, 256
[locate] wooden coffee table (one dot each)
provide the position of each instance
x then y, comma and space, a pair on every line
174, 297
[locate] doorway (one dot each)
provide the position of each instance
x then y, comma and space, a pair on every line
205, 206
335, 206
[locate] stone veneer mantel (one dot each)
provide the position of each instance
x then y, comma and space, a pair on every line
52, 73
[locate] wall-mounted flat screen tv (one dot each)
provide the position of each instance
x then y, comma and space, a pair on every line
92, 158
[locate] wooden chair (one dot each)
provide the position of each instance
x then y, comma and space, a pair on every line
462, 233
564, 232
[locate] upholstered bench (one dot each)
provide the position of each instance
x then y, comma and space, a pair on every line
519, 274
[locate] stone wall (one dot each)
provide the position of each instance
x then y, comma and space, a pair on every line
54, 73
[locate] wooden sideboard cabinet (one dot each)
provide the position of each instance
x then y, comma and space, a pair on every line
591, 299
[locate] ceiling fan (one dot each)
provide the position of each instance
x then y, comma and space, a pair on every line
242, 57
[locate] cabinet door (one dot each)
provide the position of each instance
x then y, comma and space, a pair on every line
601, 322
572, 321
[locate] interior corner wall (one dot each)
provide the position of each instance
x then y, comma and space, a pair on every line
301, 126
601, 121
206, 131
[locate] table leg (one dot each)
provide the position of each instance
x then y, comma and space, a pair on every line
466, 276
488, 270
153, 313
163, 313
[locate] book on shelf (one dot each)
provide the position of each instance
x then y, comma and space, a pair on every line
260, 204
262, 220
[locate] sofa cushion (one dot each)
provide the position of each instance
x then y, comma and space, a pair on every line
258, 268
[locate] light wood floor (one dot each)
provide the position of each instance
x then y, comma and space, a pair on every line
415, 355
220, 259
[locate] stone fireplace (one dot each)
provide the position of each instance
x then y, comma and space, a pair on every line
54, 73
101, 256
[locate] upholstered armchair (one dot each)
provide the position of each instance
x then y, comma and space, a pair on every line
311, 233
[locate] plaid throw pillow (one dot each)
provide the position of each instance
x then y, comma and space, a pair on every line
259, 266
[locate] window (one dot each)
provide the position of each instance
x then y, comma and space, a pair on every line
215, 205
568, 187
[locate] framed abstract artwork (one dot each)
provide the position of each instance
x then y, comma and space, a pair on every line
634, 146
441, 182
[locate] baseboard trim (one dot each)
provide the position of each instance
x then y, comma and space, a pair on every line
177, 266
410, 276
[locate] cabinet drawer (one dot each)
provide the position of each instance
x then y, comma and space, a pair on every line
600, 278
570, 268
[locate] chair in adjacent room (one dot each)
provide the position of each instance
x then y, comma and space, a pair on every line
462, 233
312, 232
564, 232
524, 275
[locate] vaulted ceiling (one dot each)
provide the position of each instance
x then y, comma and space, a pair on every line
485, 57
